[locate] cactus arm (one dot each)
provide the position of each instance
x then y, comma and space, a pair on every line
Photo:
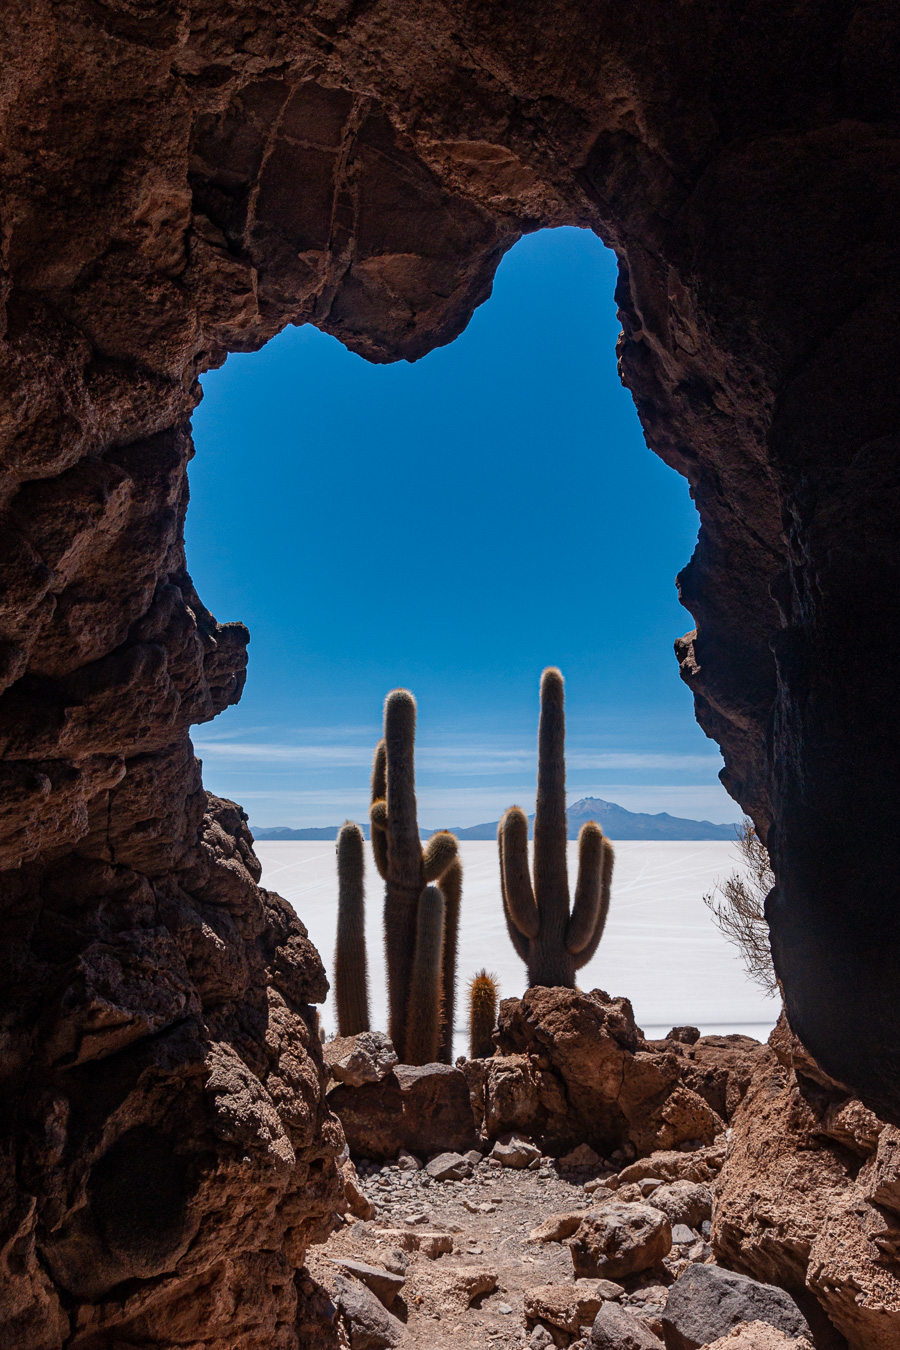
378, 809
517, 890
451, 889
519, 942
606, 870
441, 852
350, 971
586, 905
424, 1006
551, 884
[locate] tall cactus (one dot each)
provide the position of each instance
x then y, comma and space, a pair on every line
425, 1001
553, 942
482, 1015
351, 987
451, 889
399, 856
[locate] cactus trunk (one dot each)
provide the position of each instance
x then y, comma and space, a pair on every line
451, 888
424, 1002
350, 969
482, 1015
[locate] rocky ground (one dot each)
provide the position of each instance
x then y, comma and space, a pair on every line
467, 1252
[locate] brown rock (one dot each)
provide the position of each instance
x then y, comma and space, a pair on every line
426, 1241
758, 1336
616, 1239
556, 1227
423, 1109
568, 1306
684, 1202
616, 1090
365, 1058
358, 1203
459, 1285
701, 1165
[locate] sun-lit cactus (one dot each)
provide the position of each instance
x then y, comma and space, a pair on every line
424, 1006
553, 942
451, 889
407, 868
482, 1015
351, 989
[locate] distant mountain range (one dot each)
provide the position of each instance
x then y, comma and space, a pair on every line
617, 823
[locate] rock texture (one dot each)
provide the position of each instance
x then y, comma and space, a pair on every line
809, 1197
705, 1303
424, 1109
573, 1068
183, 178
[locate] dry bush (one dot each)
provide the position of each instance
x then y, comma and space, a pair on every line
737, 905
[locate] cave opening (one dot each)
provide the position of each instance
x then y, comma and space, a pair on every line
453, 526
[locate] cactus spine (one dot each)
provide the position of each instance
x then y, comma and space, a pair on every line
424, 1006
553, 942
351, 984
400, 859
482, 1015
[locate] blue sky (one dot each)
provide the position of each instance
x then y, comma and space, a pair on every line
452, 526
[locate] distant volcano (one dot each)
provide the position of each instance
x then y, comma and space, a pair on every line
616, 822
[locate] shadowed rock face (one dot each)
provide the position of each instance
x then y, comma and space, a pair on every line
182, 179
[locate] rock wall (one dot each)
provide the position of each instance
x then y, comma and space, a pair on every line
182, 178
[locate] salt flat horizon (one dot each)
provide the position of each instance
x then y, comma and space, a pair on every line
661, 948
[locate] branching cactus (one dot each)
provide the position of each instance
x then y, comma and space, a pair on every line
351, 987
407, 868
482, 1015
553, 942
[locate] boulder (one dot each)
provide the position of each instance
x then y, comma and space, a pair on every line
514, 1150
702, 1164
355, 1198
567, 1306
369, 1325
556, 1227
424, 1109
795, 1206
706, 1302
384, 1284
459, 1285
758, 1336
616, 1328
685, 1202
425, 1240
449, 1167
582, 1156
574, 1069
616, 1240
366, 1057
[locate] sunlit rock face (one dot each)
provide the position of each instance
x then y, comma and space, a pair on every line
181, 180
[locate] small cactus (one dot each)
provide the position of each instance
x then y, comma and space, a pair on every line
482, 1015
424, 1009
552, 942
350, 973
406, 867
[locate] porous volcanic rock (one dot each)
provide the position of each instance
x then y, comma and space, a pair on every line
573, 1068
424, 1109
162, 1141
184, 178
809, 1197
616, 1239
